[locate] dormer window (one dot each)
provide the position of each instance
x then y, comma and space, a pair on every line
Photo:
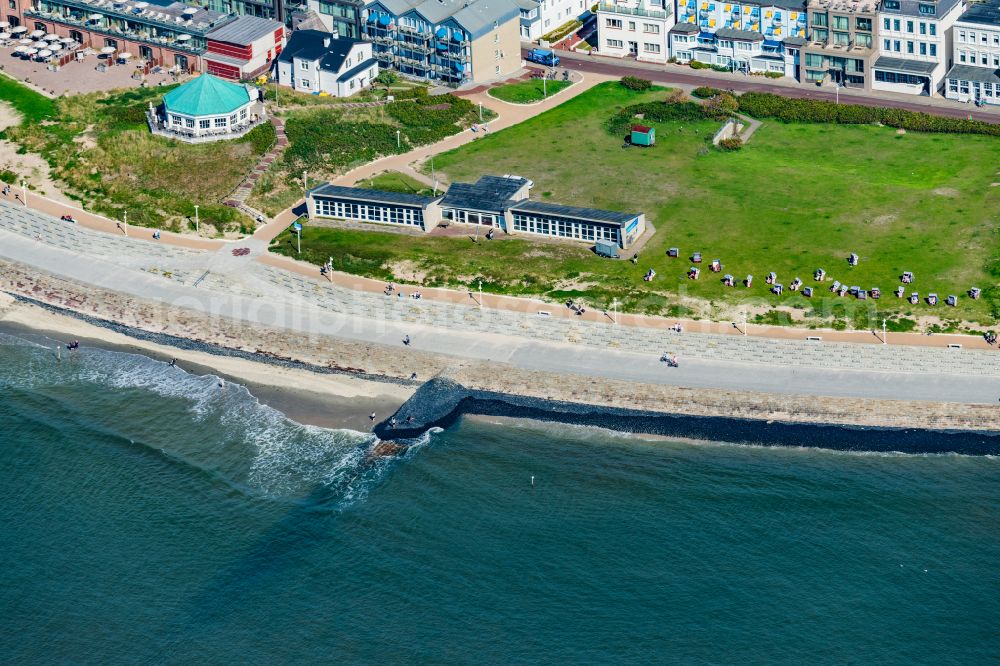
927, 10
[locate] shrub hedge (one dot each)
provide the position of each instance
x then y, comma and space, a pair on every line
704, 92
635, 83
731, 144
768, 105
657, 112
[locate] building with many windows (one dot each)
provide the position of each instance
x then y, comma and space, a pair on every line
914, 45
539, 17
453, 42
635, 28
499, 202
841, 42
746, 37
975, 74
160, 33
319, 62
340, 16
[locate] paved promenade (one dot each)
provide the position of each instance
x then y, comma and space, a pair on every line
220, 284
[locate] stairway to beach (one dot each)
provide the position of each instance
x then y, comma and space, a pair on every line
239, 196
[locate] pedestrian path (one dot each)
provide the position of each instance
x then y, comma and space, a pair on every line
704, 346
239, 196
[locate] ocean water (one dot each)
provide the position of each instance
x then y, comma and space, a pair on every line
151, 516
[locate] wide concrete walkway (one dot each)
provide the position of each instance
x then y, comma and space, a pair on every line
222, 284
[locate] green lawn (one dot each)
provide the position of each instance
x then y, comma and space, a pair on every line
33, 106
796, 198
394, 181
100, 148
326, 140
526, 92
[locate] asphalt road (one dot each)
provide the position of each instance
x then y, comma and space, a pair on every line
609, 67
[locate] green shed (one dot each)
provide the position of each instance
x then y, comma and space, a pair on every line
643, 135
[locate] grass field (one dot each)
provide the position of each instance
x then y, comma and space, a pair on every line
32, 106
326, 141
394, 181
99, 146
527, 92
796, 198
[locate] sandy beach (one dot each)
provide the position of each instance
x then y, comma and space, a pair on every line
326, 400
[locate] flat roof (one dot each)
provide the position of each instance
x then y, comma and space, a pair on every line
245, 30
685, 28
378, 196
905, 66
744, 35
985, 13
967, 73
489, 193
589, 214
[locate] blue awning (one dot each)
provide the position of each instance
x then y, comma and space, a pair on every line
771, 44
385, 19
441, 33
707, 36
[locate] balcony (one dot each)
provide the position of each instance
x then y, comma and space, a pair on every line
614, 8
146, 18
414, 31
115, 31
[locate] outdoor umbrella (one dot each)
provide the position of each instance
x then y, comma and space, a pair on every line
35, 34
20, 49
108, 50
183, 38
51, 36
19, 29
44, 53
4, 35
4, 24
26, 42
66, 40
125, 56
30, 52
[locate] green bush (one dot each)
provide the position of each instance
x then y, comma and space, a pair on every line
664, 111
697, 64
8, 176
387, 77
722, 105
635, 83
774, 75
732, 144
705, 92
260, 137
768, 105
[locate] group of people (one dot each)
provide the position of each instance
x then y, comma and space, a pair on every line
991, 338
475, 128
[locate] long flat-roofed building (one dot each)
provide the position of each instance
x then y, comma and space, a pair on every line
498, 202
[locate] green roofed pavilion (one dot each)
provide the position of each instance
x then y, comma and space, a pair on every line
206, 95
207, 108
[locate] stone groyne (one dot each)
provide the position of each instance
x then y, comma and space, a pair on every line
498, 388
440, 402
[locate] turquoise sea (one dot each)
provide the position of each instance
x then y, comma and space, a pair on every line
149, 516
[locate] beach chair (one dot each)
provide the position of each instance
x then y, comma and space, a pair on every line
975, 293
914, 298
907, 277
796, 283
819, 275
696, 258
693, 273
876, 292
952, 300
748, 282
862, 295
835, 287
899, 292
728, 280
932, 299
777, 289
807, 292
673, 252
843, 291
853, 259
772, 277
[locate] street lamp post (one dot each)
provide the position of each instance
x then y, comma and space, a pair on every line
884, 341
480, 294
480, 112
837, 92
614, 307
125, 222
398, 144
305, 183
24, 191
197, 222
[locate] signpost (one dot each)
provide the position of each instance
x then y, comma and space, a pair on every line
197, 224
298, 232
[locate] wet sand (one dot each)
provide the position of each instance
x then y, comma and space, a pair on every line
330, 401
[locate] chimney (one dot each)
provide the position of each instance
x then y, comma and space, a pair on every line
326, 42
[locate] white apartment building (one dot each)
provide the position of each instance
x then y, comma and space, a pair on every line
317, 62
746, 37
914, 40
635, 28
975, 74
539, 18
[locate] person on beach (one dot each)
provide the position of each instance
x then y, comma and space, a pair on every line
371, 417
406, 340
413, 375
173, 362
